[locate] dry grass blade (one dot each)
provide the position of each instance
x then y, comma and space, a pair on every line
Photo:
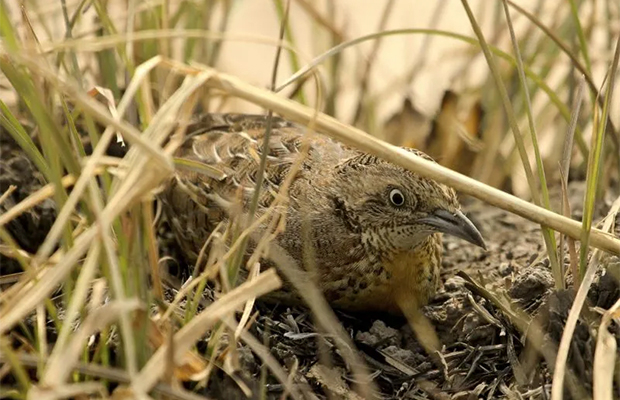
41, 331
10, 279
605, 357
190, 333
572, 251
361, 140
6, 194
249, 306
564, 171
35, 198
72, 391
572, 126
233, 266
198, 167
96, 44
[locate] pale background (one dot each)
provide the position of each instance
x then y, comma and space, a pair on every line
397, 55
443, 63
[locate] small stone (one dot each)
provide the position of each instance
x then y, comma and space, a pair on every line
379, 333
505, 269
403, 355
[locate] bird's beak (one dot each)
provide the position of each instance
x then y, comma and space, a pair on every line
456, 224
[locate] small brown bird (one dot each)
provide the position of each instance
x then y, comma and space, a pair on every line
374, 227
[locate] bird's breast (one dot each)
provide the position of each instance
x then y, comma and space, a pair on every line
408, 277
416, 272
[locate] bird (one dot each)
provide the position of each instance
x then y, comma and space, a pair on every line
374, 228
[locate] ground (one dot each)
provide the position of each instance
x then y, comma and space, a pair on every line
485, 355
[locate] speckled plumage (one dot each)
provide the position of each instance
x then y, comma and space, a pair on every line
369, 253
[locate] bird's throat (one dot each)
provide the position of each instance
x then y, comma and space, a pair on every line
415, 273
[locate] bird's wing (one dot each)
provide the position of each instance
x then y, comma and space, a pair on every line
229, 147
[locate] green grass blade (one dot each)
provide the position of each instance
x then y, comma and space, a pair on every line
288, 34
583, 43
594, 165
548, 234
9, 38
19, 134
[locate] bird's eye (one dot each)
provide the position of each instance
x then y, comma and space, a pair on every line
397, 197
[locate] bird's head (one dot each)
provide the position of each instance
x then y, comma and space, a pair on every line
395, 209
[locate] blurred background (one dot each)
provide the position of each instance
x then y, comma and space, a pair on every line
428, 87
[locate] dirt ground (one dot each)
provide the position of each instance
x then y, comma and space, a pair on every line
485, 356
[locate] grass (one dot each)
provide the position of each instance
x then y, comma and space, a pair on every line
102, 250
